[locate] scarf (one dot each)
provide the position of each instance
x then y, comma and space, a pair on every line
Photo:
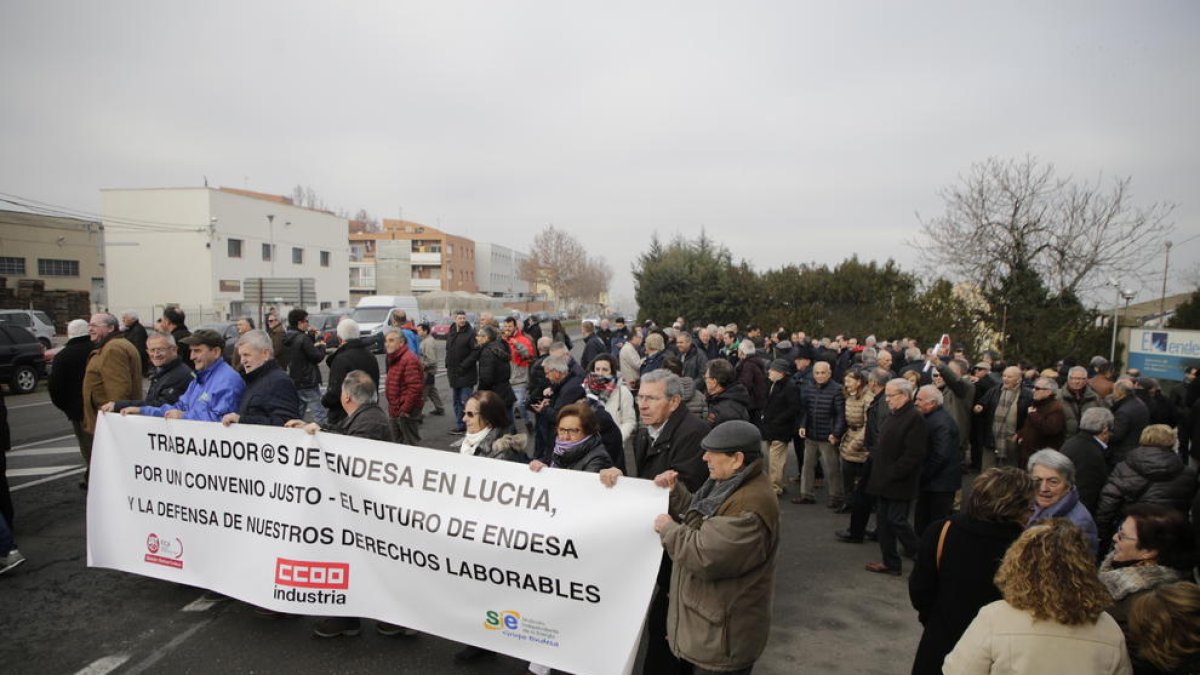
600, 385
564, 448
1124, 578
713, 493
472, 441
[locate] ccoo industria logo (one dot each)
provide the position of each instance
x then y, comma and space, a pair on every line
323, 582
165, 551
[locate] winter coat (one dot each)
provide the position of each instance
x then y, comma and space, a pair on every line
677, 448
1072, 509
179, 333
460, 344
167, 384
723, 577
1103, 386
897, 456
947, 594
137, 336
1091, 473
405, 384
941, 470
958, 396
215, 392
593, 346
1130, 417
652, 362
824, 411
1004, 639
281, 355
497, 445
303, 359
1147, 476
1043, 428
353, 354
731, 404
522, 352
695, 362
1125, 583
590, 456
753, 376
623, 410
533, 329
113, 372
1074, 406
370, 422
781, 415
853, 447
269, 398
631, 363
693, 399
989, 401
66, 376
494, 372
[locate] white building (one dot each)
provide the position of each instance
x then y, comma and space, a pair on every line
498, 271
206, 250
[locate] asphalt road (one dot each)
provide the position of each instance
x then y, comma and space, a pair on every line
59, 616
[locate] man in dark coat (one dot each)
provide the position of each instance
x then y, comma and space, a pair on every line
752, 373
941, 475
1045, 421
822, 425
593, 346
1002, 413
66, 376
169, 375
460, 343
270, 397
1130, 417
533, 328
727, 398
566, 387
174, 321
780, 419
304, 358
353, 354
135, 332
1086, 451
693, 359
896, 473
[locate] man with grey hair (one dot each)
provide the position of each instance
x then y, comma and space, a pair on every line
566, 387
353, 353
822, 425
941, 475
169, 375
1077, 397
1086, 451
429, 365
958, 392
895, 474
1045, 421
135, 332
1002, 411
270, 397
113, 372
1130, 417
694, 361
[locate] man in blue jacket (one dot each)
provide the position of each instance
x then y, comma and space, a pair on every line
216, 391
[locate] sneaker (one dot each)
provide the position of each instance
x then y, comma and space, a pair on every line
13, 559
336, 626
472, 653
391, 629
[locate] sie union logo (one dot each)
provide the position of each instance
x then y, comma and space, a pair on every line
152, 543
312, 574
506, 620
165, 551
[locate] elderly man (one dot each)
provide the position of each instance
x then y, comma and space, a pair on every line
1102, 382
1130, 417
694, 361
244, 325
66, 377
1086, 450
216, 391
780, 419
169, 375
1002, 411
114, 371
723, 541
896, 474
862, 502
1045, 421
566, 387
941, 475
353, 353
727, 398
405, 387
429, 366
1077, 397
135, 332
958, 394
270, 397
630, 359
822, 425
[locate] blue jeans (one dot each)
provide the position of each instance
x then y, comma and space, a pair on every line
311, 409
461, 394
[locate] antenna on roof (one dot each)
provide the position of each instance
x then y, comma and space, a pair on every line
206, 181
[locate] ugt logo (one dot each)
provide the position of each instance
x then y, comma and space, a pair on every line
506, 620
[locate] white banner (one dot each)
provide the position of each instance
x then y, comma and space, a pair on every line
550, 566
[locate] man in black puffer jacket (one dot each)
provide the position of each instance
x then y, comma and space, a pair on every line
352, 354
270, 397
169, 375
303, 359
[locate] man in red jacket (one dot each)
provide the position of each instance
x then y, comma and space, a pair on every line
405, 387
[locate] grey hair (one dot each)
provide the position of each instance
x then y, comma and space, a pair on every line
933, 393
544, 343
672, 385
348, 329
684, 335
881, 376
1077, 370
587, 327
131, 313
109, 320
747, 347
1125, 385
1053, 459
558, 364
912, 353
161, 335
1095, 420
902, 386
361, 389
256, 339
1048, 383
869, 354
559, 348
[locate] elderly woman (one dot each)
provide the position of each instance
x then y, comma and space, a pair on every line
1152, 473
1152, 547
1051, 618
958, 558
1165, 628
486, 419
577, 444
1055, 495
602, 383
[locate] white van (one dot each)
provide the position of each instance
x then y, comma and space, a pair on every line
374, 313
32, 320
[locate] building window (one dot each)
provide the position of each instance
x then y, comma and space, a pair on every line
15, 266
325, 261
49, 267
235, 248
266, 252
297, 256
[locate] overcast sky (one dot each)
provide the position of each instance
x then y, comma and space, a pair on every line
791, 131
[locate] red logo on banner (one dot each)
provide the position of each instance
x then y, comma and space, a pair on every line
311, 574
164, 551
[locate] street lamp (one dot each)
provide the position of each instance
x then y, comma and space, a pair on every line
1127, 295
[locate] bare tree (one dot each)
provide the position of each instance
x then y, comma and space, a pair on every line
363, 216
304, 195
1007, 215
557, 260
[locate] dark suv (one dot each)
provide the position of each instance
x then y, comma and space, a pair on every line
21, 359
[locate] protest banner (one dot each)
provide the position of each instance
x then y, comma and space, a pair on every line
550, 566
1164, 354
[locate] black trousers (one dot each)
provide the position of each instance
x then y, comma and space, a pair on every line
932, 507
861, 503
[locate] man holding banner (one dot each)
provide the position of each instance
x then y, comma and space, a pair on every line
216, 391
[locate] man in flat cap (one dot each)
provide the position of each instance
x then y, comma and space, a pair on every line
216, 391
723, 541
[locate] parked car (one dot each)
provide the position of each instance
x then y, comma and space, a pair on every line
441, 328
326, 326
32, 320
21, 359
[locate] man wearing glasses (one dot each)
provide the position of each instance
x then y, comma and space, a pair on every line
1045, 421
169, 376
114, 371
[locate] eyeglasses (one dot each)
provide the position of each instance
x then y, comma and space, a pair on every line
470, 414
565, 431
1121, 536
1044, 388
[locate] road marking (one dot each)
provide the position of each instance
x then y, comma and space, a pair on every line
72, 472
45, 440
40, 470
28, 405
41, 452
201, 604
161, 652
104, 665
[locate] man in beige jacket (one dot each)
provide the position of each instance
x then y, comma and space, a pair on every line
114, 373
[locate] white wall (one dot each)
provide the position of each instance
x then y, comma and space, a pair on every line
497, 269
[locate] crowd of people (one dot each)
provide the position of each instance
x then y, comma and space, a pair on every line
1073, 543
